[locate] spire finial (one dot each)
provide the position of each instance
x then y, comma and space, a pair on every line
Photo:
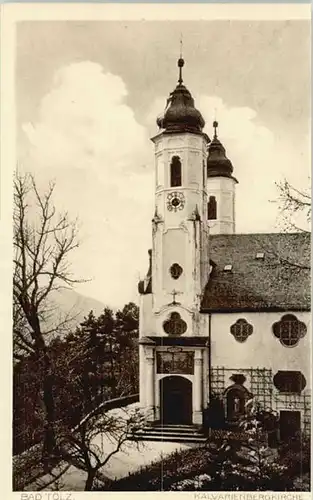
215, 125
181, 61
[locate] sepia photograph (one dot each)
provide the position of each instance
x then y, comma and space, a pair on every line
161, 255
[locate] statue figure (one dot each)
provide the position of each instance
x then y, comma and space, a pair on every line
236, 406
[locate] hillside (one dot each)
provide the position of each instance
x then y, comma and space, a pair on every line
73, 306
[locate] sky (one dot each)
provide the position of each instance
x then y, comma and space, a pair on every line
88, 94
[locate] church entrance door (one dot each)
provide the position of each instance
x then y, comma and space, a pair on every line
176, 400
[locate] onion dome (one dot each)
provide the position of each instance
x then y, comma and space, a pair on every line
180, 113
218, 165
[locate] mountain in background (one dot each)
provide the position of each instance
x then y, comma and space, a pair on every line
69, 305
75, 306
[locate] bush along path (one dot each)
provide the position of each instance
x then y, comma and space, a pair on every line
230, 462
212, 467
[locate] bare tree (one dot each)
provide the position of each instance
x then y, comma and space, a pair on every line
294, 203
293, 257
28, 471
85, 446
43, 241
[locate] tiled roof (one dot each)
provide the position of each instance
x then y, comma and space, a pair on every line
280, 281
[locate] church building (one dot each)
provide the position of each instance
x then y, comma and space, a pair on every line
223, 316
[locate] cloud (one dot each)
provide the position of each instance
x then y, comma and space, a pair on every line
260, 159
89, 140
84, 120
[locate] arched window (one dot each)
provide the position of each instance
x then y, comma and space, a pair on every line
241, 330
175, 325
212, 208
175, 171
289, 381
289, 330
176, 270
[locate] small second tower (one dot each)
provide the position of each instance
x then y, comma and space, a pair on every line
221, 187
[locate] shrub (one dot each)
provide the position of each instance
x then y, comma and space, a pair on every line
295, 454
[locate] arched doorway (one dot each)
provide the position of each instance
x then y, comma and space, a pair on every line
175, 400
236, 397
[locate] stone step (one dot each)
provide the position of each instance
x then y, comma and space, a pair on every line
173, 430
158, 423
174, 433
145, 436
173, 426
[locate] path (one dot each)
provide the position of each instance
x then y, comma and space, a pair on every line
130, 458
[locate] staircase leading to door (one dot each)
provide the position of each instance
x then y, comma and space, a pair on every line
173, 433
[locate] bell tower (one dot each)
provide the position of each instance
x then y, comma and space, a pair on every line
173, 333
179, 225
220, 188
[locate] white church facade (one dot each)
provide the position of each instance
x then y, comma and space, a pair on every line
223, 316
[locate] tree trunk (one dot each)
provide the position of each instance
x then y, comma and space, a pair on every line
49, 445
87, 402
113, 379
90, 479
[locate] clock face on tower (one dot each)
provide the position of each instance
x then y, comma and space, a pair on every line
175, 201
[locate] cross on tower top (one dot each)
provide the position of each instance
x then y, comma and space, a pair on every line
215, 125
181, 61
